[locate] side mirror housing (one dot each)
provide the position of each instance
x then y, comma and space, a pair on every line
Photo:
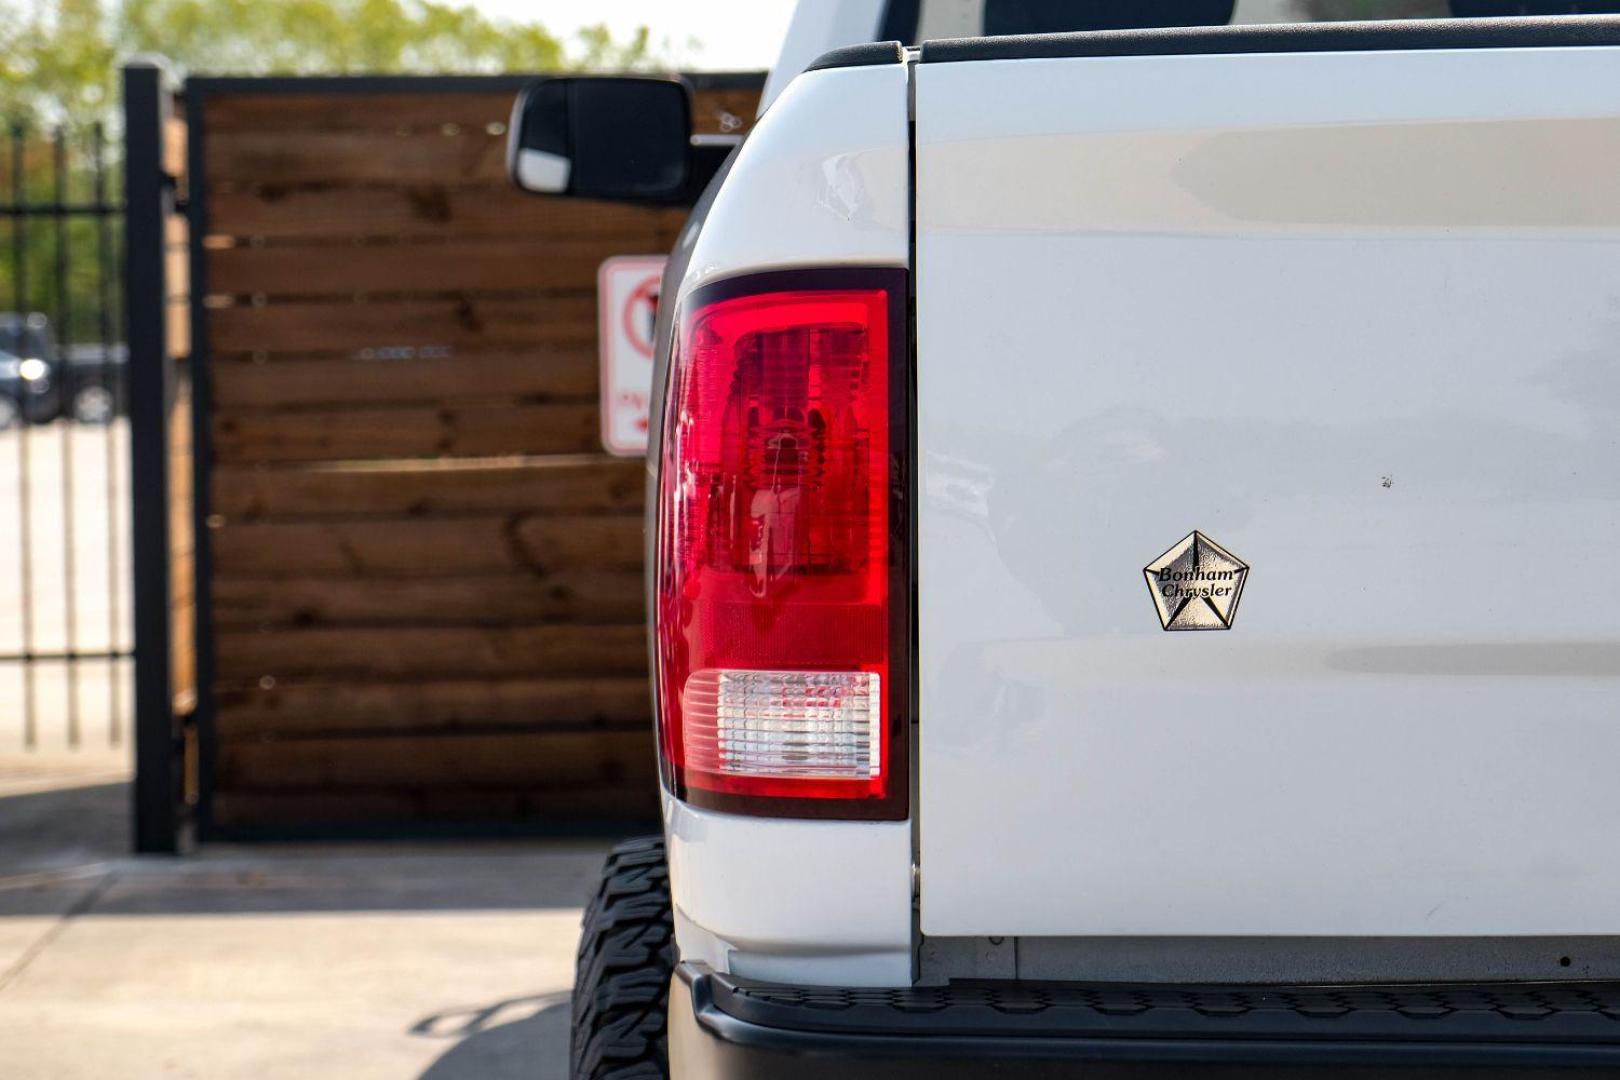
603, 138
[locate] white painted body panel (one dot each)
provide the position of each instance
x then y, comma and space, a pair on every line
809, 902
821, 181
1357, 318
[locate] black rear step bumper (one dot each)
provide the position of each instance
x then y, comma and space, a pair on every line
725, 1028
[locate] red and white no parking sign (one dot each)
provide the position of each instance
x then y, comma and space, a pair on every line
627, 303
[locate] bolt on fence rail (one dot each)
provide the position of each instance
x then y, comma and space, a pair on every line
64, 638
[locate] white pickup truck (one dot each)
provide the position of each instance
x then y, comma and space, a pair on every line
1129, 511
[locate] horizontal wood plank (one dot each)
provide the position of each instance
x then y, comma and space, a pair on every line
315, 709
430, 488
570, 371
589, 596
176, 258
174, 147
453, 547
437, 211
177, 328
430, 652
403, 432
488, 111
466, 761
532, 263
335, 112
317, 808
456, 323
460, 156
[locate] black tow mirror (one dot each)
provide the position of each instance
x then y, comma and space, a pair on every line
603, 138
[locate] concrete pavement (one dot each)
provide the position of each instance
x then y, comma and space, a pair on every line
447, 962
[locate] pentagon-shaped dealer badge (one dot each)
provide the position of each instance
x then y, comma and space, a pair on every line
1197, 584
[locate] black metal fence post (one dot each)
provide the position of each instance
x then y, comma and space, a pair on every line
149, 197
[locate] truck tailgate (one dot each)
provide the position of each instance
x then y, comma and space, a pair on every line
1340, 330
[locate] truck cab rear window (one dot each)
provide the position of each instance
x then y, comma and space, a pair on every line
915, 21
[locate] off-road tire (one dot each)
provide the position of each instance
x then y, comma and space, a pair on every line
621, 977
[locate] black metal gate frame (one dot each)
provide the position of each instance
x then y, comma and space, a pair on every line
152, 196
149, 196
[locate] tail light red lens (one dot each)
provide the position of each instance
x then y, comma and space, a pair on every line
780, 592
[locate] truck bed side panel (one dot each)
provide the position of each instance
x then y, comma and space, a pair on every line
1356, 318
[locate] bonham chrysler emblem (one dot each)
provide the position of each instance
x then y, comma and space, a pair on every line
1196, 585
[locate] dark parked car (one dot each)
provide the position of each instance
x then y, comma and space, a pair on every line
40, 381
29, 388
93, 381
25, 391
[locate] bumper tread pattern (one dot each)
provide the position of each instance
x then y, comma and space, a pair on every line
733, 1027
1577, 1009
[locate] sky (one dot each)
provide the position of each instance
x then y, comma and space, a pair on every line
734, 34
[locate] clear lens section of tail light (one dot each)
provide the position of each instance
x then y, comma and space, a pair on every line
809, 725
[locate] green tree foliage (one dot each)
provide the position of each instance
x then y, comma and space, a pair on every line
59, 72
59, 59
309, 36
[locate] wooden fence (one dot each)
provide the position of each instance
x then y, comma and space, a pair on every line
419, 580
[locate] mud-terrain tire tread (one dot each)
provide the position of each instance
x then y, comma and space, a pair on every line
622, 973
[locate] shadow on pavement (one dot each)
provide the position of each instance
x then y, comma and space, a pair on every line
323, 991
54, 844
65, 825
522, 1037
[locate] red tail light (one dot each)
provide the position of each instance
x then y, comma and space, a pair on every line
780, 578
